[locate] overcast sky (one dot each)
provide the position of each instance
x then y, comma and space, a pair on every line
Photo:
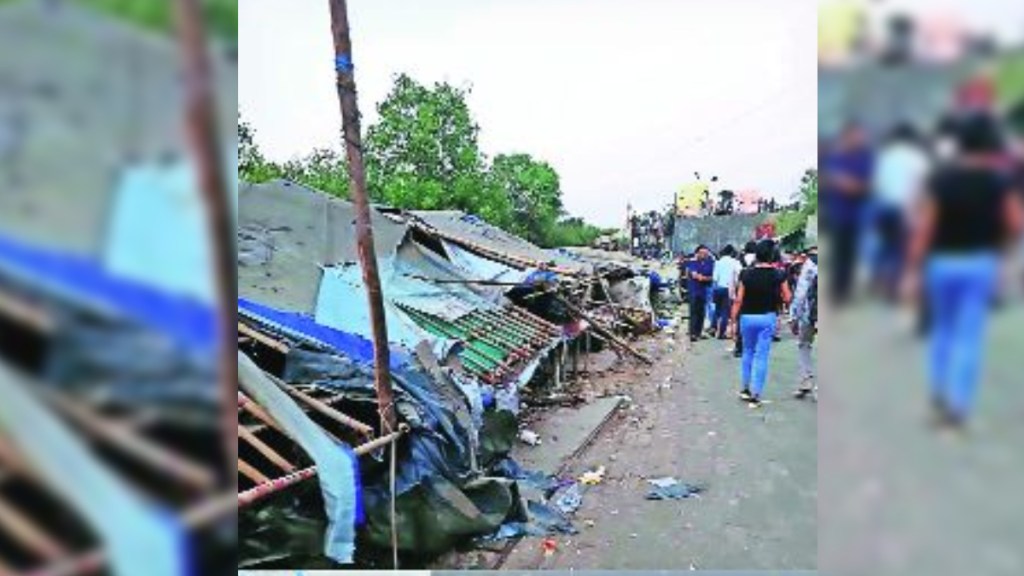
625, 99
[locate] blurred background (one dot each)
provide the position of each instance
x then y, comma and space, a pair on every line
921, 117
117, 156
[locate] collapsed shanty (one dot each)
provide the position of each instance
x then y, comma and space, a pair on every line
475, 316
111, 458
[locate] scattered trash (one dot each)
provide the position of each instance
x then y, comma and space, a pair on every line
669, 488
570, 499
588, 523
549, 546
548, 520
530, 437
548, 484
592, 477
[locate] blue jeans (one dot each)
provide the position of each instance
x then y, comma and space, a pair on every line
720, 321
757, 331
960, 289
710, 312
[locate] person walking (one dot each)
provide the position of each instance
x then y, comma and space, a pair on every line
846, 174
699, 273
761, 292
969, 214
726, 275
804, 322
899, 176
748, 262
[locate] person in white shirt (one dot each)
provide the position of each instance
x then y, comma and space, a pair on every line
899, 176
727, 271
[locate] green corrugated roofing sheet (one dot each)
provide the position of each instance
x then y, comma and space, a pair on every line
497, 343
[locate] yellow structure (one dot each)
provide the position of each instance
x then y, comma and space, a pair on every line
840, 22
688, 201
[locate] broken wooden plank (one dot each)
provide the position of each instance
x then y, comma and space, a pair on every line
267, 452
128, 441
24, 531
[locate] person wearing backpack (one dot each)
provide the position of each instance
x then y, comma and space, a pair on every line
804, 320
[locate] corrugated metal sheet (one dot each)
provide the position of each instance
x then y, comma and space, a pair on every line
470, 231
287, 232
497, 344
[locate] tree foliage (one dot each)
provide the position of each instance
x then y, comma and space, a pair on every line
423, 154
807, 196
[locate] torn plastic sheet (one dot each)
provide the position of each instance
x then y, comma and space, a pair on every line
138, 538
337, 466
131, 364
669, 488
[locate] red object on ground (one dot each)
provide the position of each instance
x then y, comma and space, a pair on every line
549, 546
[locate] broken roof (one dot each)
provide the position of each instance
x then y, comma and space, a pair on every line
475, 234
82, 95
287, 233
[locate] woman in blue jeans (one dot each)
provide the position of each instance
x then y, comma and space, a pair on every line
968, 216
760, 294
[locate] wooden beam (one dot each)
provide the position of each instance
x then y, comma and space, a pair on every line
267, 452
28, 534
323, 408
250, 472
29, 315
130, 442
262, 338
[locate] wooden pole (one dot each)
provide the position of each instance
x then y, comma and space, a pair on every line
346, 85
609, 336
201, 127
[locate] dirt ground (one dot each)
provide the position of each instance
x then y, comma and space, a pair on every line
758, 469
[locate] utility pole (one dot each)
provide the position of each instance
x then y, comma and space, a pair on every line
346, 84
201, 129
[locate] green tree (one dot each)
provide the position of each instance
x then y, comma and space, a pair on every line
807, 195
252, 165
533, 192
423, 153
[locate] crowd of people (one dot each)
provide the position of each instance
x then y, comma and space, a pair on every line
744, 297
933, 215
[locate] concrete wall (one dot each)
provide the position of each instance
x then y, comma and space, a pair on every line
715, 231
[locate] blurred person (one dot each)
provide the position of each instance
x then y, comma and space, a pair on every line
846, 175
804, 320
967, 216
709, 297
748, 261
899, 175
760, 293
699, 273
725, 277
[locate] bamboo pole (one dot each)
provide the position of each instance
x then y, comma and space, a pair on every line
28, 534
201, 129
250, 472
608, 334
323, 408
129, 442
277, 484
263, 338
346, 88
267, 452
31, 316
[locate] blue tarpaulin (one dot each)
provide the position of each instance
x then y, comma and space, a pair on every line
304, 327
190, 323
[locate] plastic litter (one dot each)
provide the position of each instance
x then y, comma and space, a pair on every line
548, 520
549, 546
530, 437
592, 477
669, 488
570, 499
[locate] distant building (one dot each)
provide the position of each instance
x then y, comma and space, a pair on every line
748, 202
